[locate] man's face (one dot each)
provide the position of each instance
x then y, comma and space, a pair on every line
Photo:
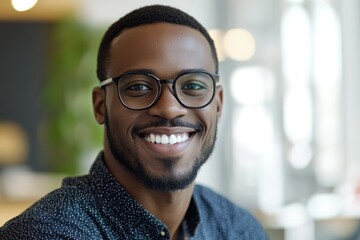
165, 50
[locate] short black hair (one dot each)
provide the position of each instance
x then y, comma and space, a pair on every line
148, 15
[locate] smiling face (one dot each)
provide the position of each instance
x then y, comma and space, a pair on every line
164, 145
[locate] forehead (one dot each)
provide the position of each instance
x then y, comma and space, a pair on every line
162, 47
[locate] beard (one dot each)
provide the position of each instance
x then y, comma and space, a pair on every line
169, 182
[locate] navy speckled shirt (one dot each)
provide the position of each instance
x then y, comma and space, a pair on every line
95, 206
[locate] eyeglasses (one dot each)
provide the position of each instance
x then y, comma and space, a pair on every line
140, 90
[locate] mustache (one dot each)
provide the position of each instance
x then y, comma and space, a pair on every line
168, 123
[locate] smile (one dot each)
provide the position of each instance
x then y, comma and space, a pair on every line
166, 139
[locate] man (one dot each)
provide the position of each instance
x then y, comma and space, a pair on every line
159, 100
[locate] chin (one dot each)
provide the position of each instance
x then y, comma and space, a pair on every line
172, 181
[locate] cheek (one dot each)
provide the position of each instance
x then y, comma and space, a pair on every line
208, 118
120, 119
123, 124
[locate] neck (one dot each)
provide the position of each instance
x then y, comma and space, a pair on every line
169, 207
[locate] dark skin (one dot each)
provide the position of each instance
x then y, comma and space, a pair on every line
164, 49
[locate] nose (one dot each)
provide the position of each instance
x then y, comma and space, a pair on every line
167, 106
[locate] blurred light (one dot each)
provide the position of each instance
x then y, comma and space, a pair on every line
217, 35
23, 5
296, 36
247, 85
327, 49
292, 215
329, 168
328, 94
239, 44
253, 130
20, 183
251, 85
296, 1
300, 155
13, 143
325, 206
328, 131
298, 116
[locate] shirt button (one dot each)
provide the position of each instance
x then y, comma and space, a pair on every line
162, 233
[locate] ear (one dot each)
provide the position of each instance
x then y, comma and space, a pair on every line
219, 101
98, 99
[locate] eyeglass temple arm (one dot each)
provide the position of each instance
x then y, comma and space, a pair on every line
217, 80
105, 82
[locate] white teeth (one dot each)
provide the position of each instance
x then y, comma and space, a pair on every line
158, 139
172, 139
165, 139
152, 138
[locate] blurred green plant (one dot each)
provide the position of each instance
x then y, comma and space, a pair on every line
71, 130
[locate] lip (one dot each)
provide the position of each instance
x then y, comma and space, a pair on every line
166, 130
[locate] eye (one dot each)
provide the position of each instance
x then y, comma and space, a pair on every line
194, 85
138, 87
193, 88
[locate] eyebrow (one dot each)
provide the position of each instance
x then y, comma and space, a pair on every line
141, 70
149, 71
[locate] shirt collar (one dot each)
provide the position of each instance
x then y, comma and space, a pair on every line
117, 202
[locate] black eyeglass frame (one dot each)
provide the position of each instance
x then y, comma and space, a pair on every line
215, 78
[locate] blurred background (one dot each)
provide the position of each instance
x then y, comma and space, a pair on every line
288, 147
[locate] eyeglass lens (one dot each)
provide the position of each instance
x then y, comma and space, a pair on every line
139, 91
